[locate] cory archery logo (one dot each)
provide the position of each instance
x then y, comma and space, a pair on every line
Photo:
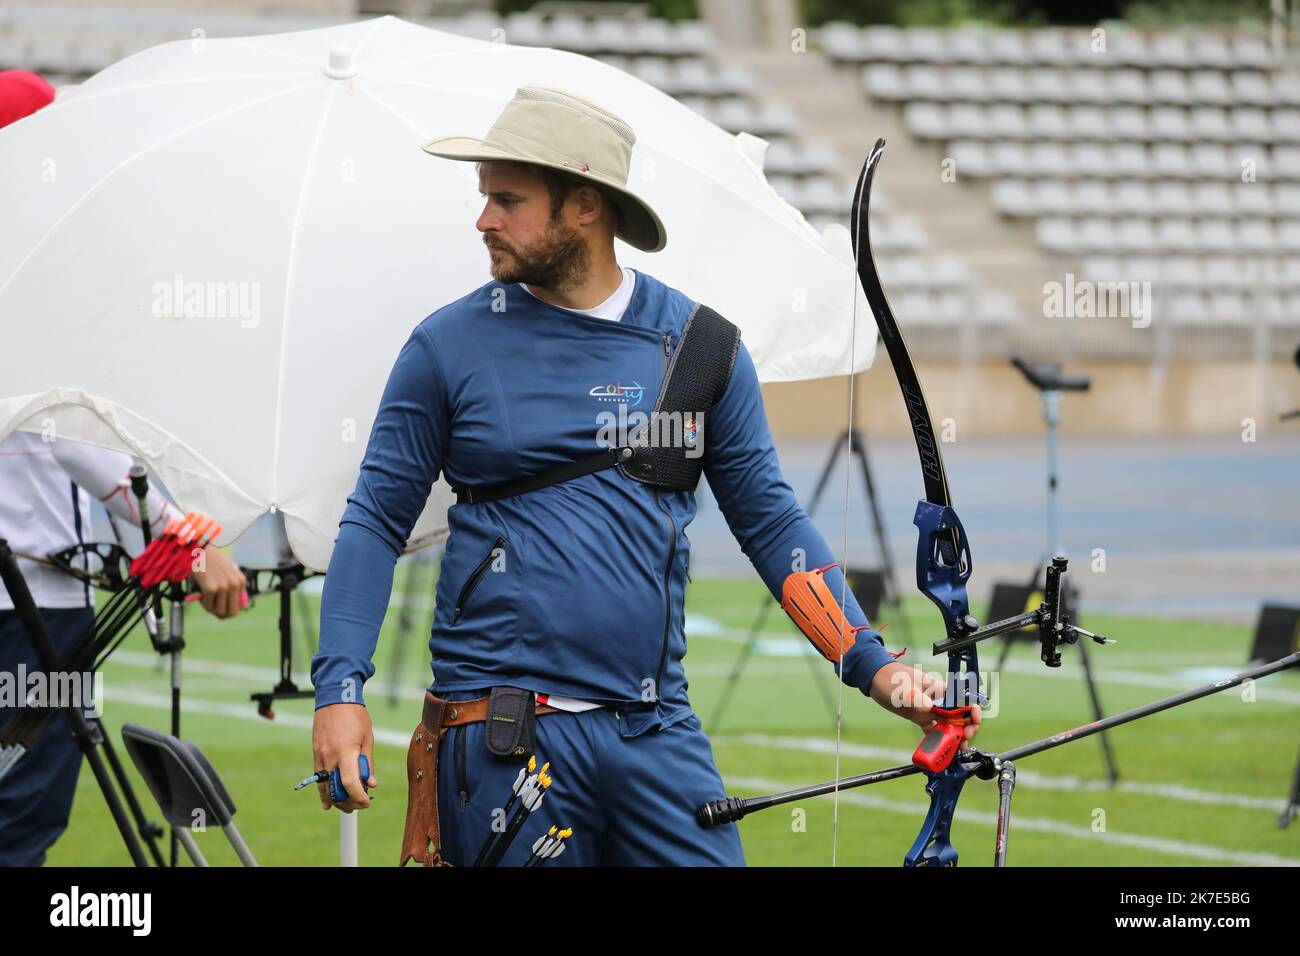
629, 395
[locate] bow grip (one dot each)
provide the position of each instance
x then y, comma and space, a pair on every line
941, 744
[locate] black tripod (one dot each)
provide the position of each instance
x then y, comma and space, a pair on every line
1292, 808
88, 731
890, 593
1047, 378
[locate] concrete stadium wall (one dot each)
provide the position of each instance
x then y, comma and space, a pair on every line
1183, 398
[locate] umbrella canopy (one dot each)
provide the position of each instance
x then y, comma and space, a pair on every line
214, 249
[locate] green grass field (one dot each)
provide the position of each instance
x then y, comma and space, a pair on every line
1200, 785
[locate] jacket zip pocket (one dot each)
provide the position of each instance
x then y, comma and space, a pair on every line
476, 577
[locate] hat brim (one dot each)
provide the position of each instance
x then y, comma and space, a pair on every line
642, 227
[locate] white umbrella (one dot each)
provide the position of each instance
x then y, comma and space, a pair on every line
213, 250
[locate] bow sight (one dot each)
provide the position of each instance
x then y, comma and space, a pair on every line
1050, 619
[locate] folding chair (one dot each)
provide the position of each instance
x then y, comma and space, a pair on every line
186, 787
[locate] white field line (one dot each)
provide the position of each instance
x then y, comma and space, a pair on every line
1020, 823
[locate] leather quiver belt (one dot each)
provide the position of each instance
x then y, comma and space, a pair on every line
422, 840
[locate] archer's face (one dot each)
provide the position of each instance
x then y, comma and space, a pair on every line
524, 243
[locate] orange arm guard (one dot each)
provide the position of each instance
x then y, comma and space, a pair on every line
814, 610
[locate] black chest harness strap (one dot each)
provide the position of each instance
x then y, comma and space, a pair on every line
668, 450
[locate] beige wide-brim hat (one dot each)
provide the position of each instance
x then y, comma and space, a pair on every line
559, 129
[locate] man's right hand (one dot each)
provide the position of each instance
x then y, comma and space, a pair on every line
339, 734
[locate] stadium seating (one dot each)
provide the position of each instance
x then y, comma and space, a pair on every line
1165, 157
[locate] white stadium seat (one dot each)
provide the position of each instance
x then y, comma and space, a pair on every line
1249, 87
1053, 196
1212, 197
1255, 235
1130, 159
1007, 84
1129, 123
1211, 87
926, 82
841, 42
972, 159
1048, 84
1049, 122
1092, 197
1169, 122
1128, 49
1252, 52
1088, 86
1048, 159
1175, 235
1129, 86
882, 43
1006, 120
1171, 49
927, 121
1131, 197
1250, 124
968, 46
1211, 50
1286, 125
1170, 86
1009, 47
885, 81
1057, 235
1215, 235
924, 45
967, 83
1171, 198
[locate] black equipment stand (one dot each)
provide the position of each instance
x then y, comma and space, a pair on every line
1048, 379
1292, 808
89, 732
282, 580
858, 448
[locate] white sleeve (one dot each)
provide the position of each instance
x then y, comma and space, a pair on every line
100, 472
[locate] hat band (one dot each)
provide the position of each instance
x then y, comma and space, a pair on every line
534, 151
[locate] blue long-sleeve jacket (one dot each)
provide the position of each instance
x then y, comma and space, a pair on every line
576, 589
